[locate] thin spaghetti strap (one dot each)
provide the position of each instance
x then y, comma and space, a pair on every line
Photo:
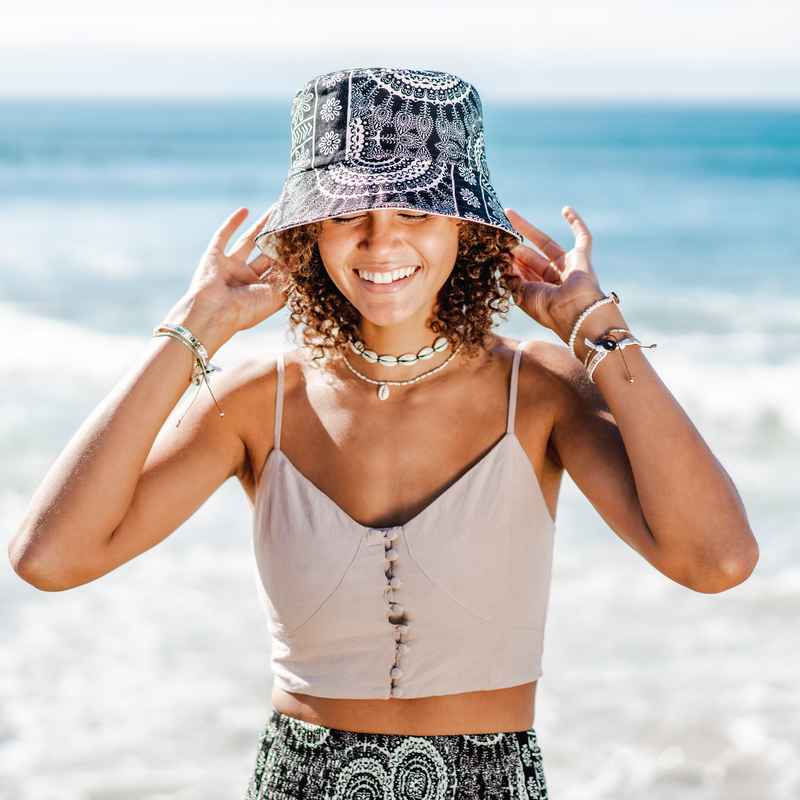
279, 404
512, 393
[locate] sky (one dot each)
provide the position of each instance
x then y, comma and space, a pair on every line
628, 50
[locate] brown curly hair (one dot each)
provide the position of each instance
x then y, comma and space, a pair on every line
481, 286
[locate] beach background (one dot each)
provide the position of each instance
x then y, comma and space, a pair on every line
125, 138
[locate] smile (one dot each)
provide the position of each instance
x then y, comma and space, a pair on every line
387, 277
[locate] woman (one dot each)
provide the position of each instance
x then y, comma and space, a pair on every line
404, 466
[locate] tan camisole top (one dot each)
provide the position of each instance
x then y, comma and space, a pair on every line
453, 601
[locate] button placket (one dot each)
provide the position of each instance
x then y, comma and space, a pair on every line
396, 611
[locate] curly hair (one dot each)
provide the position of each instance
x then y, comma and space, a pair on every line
482, 285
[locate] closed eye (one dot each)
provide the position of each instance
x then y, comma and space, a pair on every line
343, 220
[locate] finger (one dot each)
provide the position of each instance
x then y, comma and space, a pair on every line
263, 269
549, 274
550, 248
223, 234
247, 241
276, 276
530, 257
526, 274
259, 266
583, 239
546, 270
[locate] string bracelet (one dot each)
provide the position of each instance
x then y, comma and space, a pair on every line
608, 343
612, 298
202, 366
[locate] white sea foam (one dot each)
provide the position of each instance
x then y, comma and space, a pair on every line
151, 683
65, 355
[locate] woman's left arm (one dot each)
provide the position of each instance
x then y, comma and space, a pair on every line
644, 466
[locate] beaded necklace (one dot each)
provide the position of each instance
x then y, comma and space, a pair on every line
383, 386
405, 360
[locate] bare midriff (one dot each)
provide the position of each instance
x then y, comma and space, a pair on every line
497, 711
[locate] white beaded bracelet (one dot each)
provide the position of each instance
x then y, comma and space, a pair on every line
612, 298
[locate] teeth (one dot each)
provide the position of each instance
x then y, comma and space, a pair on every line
387, 277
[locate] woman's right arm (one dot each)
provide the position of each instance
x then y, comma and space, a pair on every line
119, 487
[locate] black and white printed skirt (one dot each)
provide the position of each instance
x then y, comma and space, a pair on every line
299, 760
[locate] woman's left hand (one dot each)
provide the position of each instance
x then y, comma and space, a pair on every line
559, 285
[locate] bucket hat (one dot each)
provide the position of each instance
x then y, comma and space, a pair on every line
364, 139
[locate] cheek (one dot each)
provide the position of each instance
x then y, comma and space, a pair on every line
332, 259
443, 253
327, 250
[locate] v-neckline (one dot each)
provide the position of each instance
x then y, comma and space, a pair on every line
485, 457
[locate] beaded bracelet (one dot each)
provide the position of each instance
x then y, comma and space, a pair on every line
612, 298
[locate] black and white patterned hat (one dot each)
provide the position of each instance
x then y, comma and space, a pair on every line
386, 138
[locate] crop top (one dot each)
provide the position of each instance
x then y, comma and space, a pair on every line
453, 601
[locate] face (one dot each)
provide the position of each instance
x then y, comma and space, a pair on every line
390, 263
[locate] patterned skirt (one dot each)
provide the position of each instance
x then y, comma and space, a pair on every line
299, 760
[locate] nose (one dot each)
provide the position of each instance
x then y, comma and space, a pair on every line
381, 237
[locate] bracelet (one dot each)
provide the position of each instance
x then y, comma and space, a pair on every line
202, 366
599, 355
606, 344
612, 298
195, 344
177, 338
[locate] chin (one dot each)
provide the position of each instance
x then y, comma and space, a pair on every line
389, 315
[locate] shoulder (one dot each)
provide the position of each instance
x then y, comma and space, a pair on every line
247, 381
543, 363
553, 383
246, 391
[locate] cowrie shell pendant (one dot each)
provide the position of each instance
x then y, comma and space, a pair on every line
383, 386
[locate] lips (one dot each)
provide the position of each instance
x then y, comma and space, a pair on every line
389, 276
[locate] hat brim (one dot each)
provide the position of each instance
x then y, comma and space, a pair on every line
438, 188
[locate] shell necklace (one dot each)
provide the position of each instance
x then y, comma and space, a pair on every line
383, 386
405, 360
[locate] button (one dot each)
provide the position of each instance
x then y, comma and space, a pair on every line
395, 583
397, 691
392, 555
402, 649
391, 535
401, 629
397, 609
396, 673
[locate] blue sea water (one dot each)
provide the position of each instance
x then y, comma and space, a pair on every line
153, 682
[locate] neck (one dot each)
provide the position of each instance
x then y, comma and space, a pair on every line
396, 341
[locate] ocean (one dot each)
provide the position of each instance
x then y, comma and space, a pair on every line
153, 683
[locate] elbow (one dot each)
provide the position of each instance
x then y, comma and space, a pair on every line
39, 576
730, 569
39, 570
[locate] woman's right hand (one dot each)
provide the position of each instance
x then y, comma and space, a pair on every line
228, 293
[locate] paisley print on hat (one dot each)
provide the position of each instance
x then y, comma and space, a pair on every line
386, 138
